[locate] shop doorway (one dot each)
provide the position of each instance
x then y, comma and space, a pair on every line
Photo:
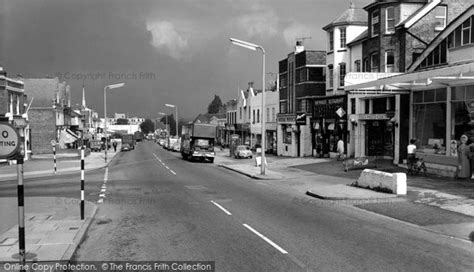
379, 138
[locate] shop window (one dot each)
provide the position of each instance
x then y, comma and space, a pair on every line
286, 134
375, 29
353, 106
379, 105
429, 127
390, 20
440, 18
331, 40
342, 32
357, 66
460, 119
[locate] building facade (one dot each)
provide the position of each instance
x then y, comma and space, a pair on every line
302, 77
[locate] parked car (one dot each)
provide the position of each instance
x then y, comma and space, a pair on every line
125, 147
172, 143
242, 151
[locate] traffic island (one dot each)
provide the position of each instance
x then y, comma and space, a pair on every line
346, 192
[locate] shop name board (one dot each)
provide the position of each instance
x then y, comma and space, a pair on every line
329, 101
381, 116
288, 119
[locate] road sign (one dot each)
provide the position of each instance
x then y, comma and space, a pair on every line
9, 141
53, 142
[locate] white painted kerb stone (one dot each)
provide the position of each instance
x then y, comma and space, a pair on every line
397, 182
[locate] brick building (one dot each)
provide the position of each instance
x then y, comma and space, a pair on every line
49, 114
302, 77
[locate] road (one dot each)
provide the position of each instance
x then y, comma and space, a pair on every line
158, 207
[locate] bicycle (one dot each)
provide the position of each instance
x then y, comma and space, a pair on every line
416, 166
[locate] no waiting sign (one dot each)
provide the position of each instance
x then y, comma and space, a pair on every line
9, 141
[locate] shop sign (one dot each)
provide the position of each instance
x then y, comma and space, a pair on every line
301, 119
380, 116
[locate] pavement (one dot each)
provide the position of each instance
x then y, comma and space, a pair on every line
53, 227
40, 166
326, 179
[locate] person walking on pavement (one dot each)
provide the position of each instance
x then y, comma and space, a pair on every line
115, 146
464, 167
411, 149
340, 149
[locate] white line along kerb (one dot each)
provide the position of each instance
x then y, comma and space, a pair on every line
266, 239
222, 208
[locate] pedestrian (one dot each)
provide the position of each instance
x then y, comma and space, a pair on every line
340, 149
411, 156
464, 167
115, 146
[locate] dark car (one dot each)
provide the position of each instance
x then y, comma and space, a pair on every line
125, 147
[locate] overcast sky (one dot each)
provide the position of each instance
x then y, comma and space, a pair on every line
166, 51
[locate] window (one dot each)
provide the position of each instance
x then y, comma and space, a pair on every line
353, 106
283, 107
390, 20
273, 115
240, 113
283, 81
366, 65
330, 72
389, 61
253, 116
440, 18
342, 73
374, 62
302, 75
286, 129
375, 23
343, 37
357, 66
466, 31
258, 116
268, 115
316, 74
331, 40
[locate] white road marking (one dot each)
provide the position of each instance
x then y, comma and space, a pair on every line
167, 167
162, 163
106, 175
102, 190
266, 239
102, 195
174, 173
100, 200
222, 208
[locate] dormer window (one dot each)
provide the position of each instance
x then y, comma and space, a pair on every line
390, 20
440, 18
375, 23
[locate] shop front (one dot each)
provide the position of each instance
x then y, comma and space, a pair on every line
329, 124
286, 135
243, 130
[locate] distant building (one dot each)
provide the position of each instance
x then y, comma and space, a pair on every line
13, 106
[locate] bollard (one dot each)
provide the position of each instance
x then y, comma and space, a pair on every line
54, 158
21, 212
82, 183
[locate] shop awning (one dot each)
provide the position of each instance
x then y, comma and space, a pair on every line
70, 132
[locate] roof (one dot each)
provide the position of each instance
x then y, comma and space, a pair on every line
351, 16
205, 118
359, 38
442, 35
417, 15
41, 90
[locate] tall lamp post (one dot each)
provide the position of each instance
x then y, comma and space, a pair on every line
110, 87
254, 47
176, 107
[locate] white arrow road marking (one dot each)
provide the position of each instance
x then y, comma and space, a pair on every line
222, 208
266, 239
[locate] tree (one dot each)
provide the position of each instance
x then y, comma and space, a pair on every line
215, 106
170, 122
122, 121
147, 126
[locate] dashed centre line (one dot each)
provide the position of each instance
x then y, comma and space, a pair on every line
162, 163
220, 207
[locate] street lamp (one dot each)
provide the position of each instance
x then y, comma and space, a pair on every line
254, 47
176, 107
110, 87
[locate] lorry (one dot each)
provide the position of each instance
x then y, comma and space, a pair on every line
139, 136
197, 142
129, 139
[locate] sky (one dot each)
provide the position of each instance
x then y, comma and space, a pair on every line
165, 51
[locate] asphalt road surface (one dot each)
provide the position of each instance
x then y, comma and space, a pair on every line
158, 207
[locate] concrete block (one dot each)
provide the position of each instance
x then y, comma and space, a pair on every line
396, 183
